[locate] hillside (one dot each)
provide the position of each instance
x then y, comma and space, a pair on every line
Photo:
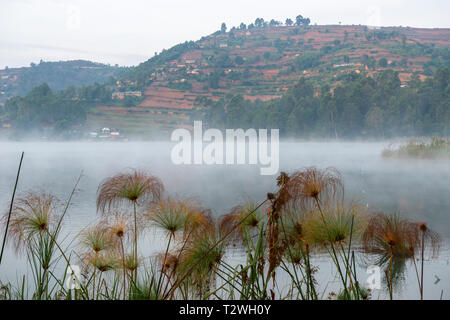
262, 63
58, 75
352, 73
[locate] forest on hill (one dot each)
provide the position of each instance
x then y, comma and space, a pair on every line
58, 75
359, 107
44, 112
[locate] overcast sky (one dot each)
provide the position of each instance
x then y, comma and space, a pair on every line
127, 32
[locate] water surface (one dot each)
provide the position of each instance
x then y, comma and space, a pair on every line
418, 189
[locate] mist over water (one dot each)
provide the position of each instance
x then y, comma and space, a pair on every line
418, 189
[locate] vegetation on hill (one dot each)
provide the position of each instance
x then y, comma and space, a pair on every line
359, 106
265, 56
139, 76
47, 112
141, 73
308, 81
58, 75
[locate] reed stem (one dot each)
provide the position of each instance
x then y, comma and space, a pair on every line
10, 208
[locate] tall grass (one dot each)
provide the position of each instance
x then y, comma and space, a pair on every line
437, 147
276, 240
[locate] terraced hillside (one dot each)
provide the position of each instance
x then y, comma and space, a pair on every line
262, 63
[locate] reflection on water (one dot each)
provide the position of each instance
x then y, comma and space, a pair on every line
418, 189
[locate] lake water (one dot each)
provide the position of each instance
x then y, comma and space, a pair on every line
418, 189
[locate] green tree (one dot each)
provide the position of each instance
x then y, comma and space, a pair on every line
292, 126
375, 120
260, 23
236, 112
274, 23
382, 62
300, 21
223, 28
239, 60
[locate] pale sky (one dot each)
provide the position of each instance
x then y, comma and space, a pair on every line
127, 32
